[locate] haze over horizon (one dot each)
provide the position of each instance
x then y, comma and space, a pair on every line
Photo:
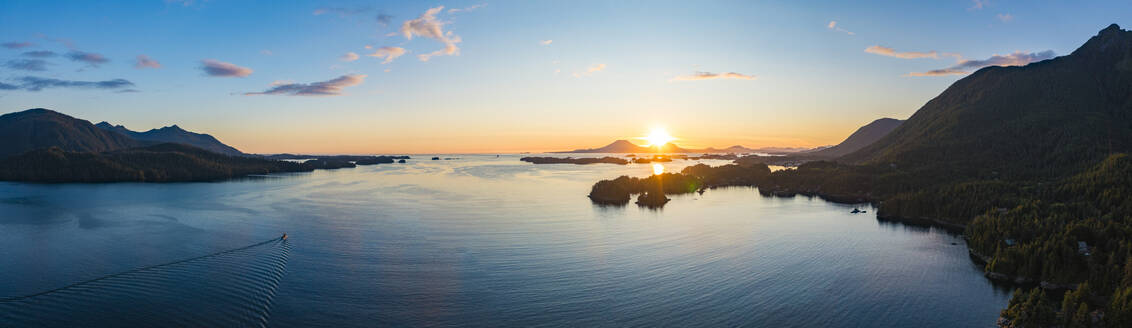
508, 76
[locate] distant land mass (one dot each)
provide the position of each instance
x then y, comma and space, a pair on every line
168, 162
864, 136
41, 145
38, 128
174, 134
627, 147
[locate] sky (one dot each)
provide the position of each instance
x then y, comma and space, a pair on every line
404, 77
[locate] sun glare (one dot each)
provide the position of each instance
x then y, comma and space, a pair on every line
657, 169
658, 137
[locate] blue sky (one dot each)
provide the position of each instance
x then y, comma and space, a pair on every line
612, 70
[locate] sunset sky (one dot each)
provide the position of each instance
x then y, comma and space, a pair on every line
509, 76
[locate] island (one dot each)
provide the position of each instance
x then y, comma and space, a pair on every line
572, 160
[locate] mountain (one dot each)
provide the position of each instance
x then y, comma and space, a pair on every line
864, 136
167, 162
1048, 118
174, 134
627, 147
38, 128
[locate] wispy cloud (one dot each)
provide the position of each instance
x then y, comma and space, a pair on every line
325, 88
978, 4
833, 26
591, 70
384, 19
700, 76
144, 61
886, 51
546, 42
388, 53
31, 83
266, 52
5, 86
39, 54
1005, 18
966, 66
17, 45
35, 65
470, 8
349, 57
90, 58
217, 68
427, 25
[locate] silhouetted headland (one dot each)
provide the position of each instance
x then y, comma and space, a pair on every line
571, 160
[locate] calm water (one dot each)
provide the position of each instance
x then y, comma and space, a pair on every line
485, 241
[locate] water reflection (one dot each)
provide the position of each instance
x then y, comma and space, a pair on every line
486, 241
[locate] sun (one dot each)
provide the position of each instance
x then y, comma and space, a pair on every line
658, 137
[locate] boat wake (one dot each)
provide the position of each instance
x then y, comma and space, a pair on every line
231, 288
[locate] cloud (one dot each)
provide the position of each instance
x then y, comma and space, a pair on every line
144, 61
384, 19
699, 76
1005, 18
31, 83
1017, 58
217, 68
474, 7
90, 58
939, 72
17, 45
590, 70
325, 88
886, 51
127, 91
978, 4
546, 42
833, 26
388, 53
39, 54
428, 26
36, 65
5, 86
349, 56
266, 52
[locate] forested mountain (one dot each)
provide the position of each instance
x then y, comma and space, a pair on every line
1049, 118
864, 136
39, 128
174, 134
169, 162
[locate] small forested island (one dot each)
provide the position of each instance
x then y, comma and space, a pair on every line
1031, 162
572, 160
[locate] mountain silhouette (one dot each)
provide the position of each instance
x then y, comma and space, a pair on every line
174, 134
864, 136
40, 128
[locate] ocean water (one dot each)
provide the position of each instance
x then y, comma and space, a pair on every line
474, 241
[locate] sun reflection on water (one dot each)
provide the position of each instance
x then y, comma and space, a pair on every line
657, 169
